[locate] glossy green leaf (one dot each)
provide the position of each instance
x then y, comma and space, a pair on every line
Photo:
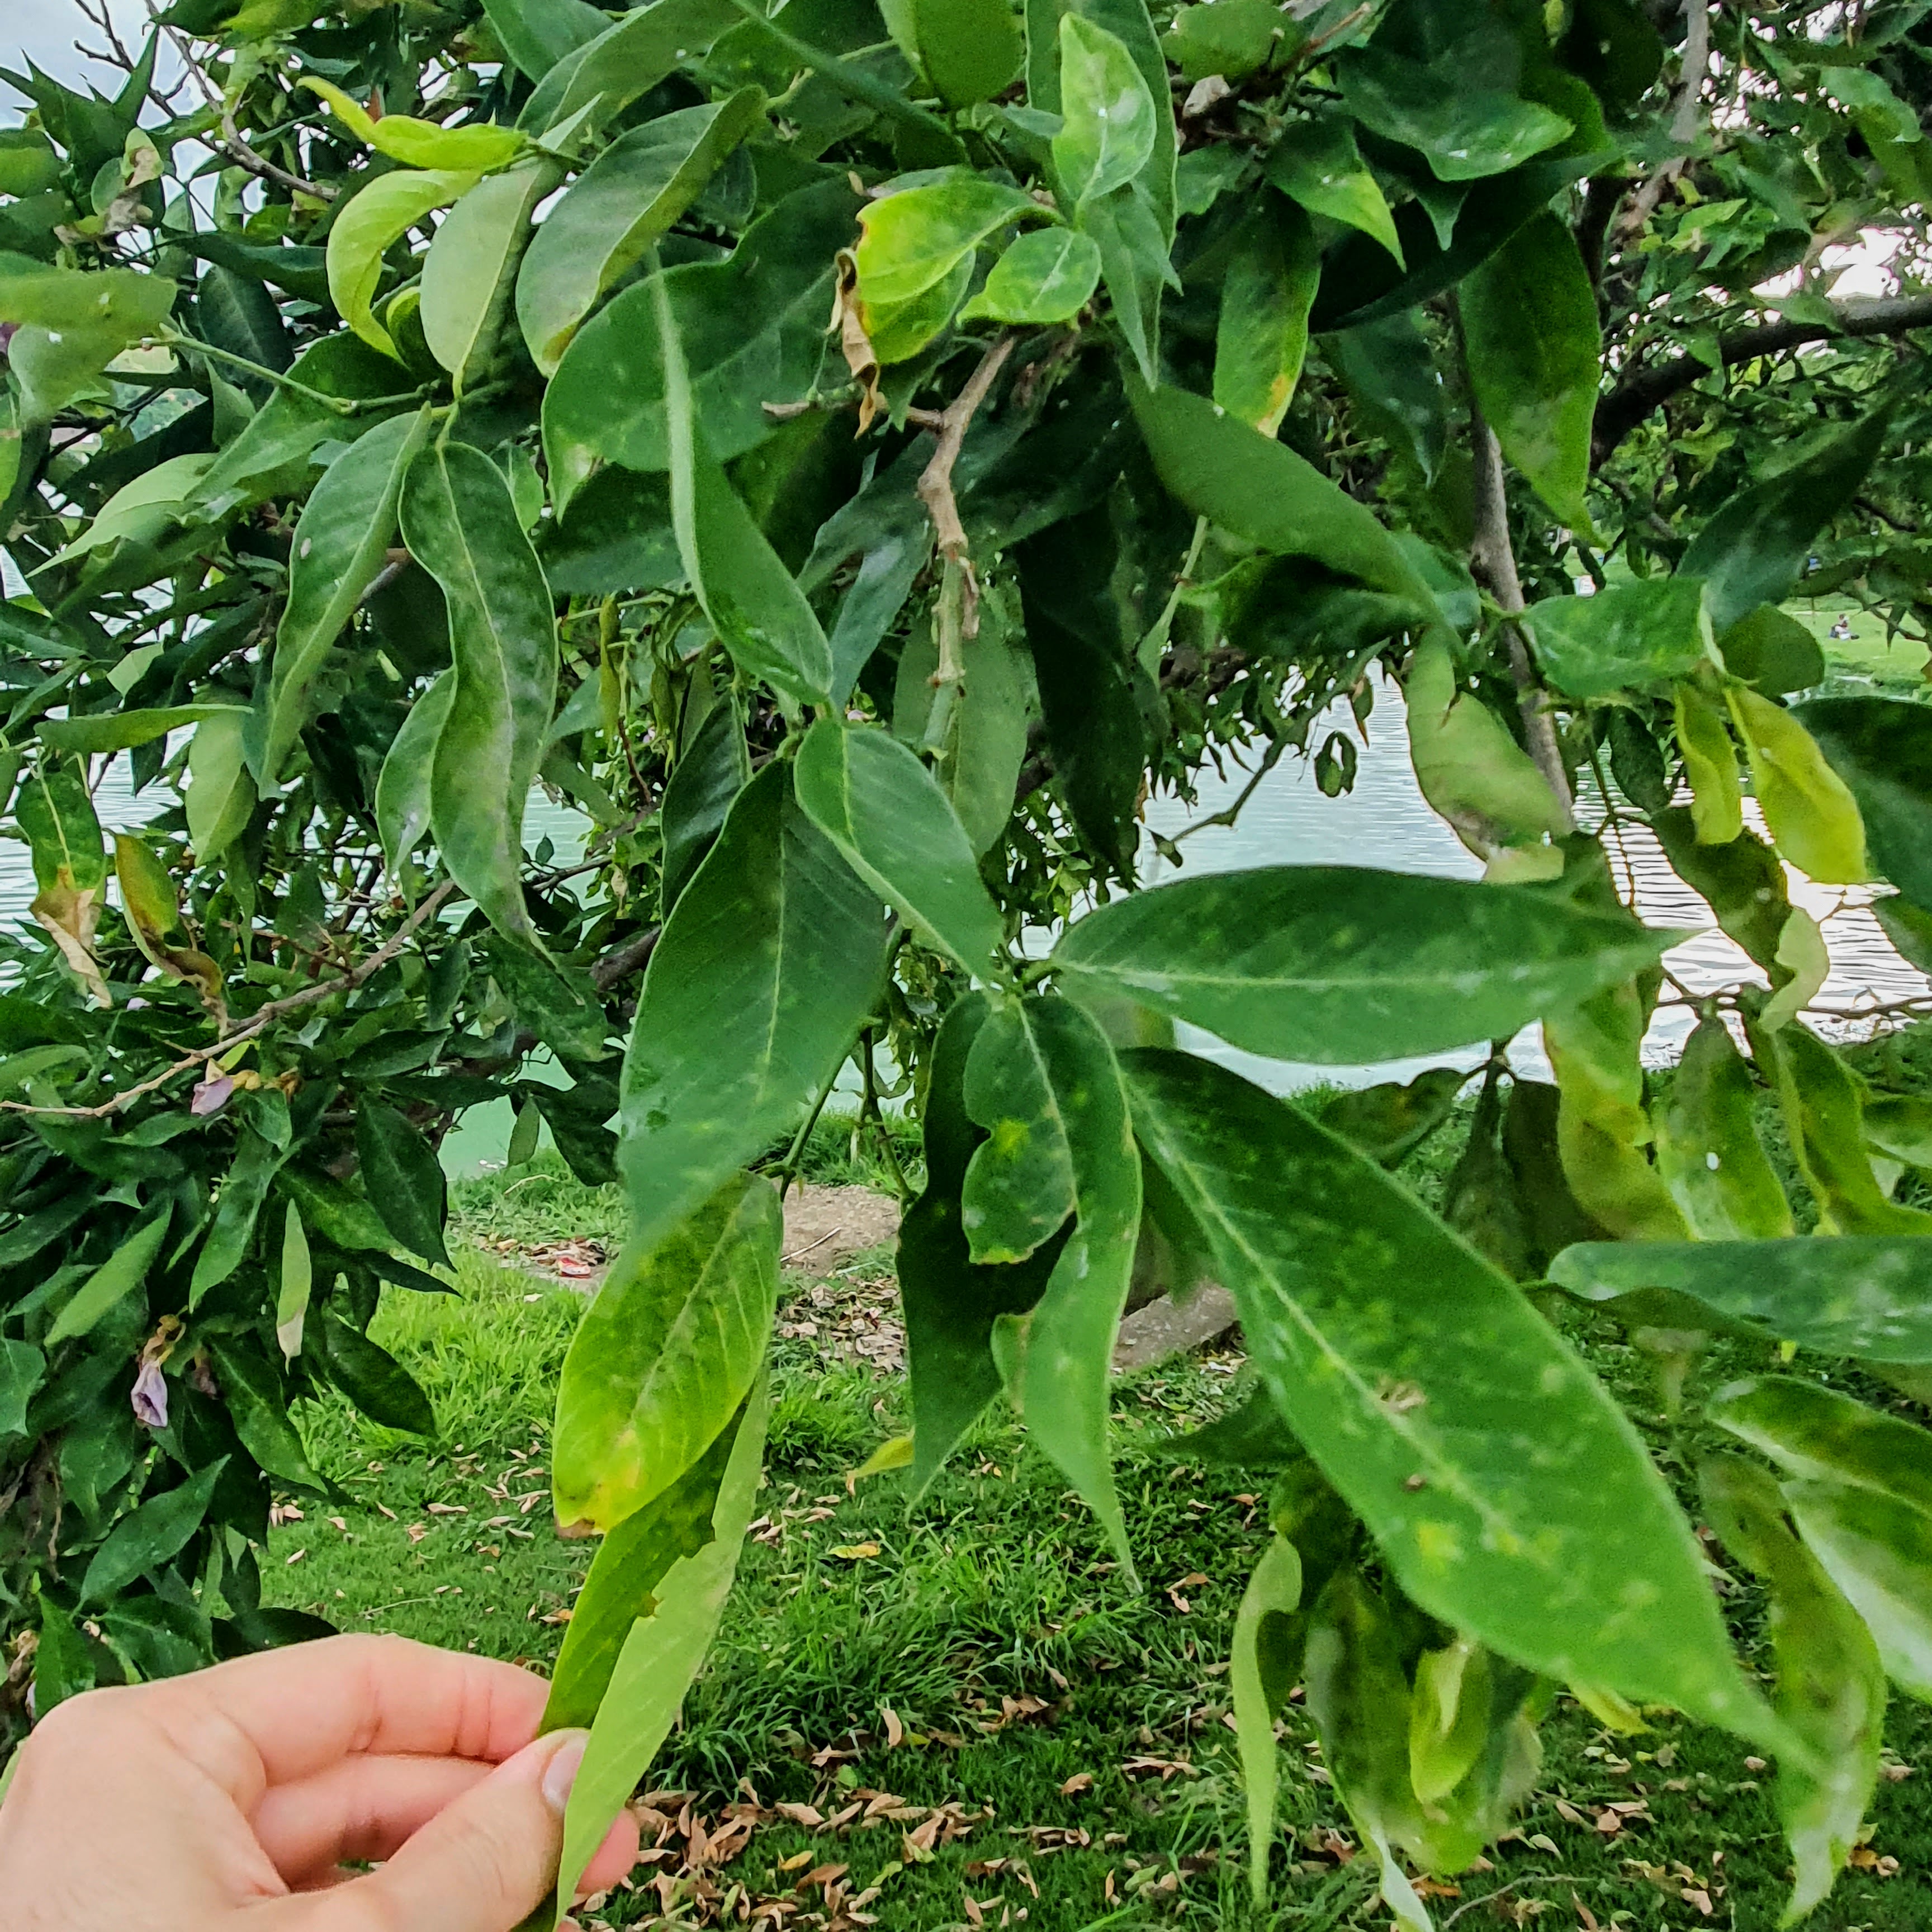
753, 329
1812, 815
255, 1163
1448, 1719
538, 34
420, 144
1831, 1683
1317, 163
1262, 338
1273, 1592
1708, 1153
970, 50
1711, 764
769, 963
1047, 275
381, 213
470, 271
661, 1654
462, 527
1390, 373
63, 1665
403, 785
1626, 638
896, 829
1019, 1187
1057, 1360
140, 511
403, 1178
1134, 265
759, 610
1753, 551
985, 743
219, 798
664, 1356
22, 1367
258, 1405
560, 1005
372, 1378
616, 210
1261, 490
119, 731
1900, 1126
295, 1283
340, 544
109, 1285
912, 240
1107, 113
1772, 652
1569, 1556
627, 59
1535, 354
716, 767
1465, 131
151, 1536
1233, 38
1333, 964
1817, 1433
71, 326
1881, 748
1742, 880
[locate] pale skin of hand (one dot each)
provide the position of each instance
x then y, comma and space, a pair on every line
230, 1800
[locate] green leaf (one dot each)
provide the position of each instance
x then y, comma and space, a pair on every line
985, 743
471, 270
562, 1007
897, 829
1448, 1718
1708, 1153
538, 34
1772, 652
462, 527
1541, 1527
1711, 765
1317, 163
616, 210
110, 1284
664, 1356
403, 785
755, 603
294, 1284
1047, 275
378, 215
151, 1536
72, 325
1260, 490
1741, 881
1389, 1122
769, 965
1262, 338
1273, 1591
258, 1405
23, 1368
118, 730
1627, 637
1831, 1683
474, 149
1107, 122
403, 1178
1390, 372
341, 543
970, 50
1810, 811
373, 1380
1332, 964
220, 797
753, 329
56, 812
661, 1654
1901, 1127
1819, 1433
1233, 38
1465, 130
1135, 264
1535, 354
1057, 1360
1881, 748
1859, 1296
912, 240
625, 60
951, 1304
63, 1664
1019, 1187
714, 768
1753, 549
255, 1163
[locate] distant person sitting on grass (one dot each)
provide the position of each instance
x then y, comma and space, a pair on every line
239, 1797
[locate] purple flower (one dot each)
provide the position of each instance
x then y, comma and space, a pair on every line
151, 1396
211, 1096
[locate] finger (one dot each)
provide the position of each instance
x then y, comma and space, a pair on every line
358, 1808
481, 1865
285, 1715
615, 1857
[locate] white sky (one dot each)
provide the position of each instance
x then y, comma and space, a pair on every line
45, 31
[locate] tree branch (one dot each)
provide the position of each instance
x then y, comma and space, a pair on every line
1684, 115
1639, 395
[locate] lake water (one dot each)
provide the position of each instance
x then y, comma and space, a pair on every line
1382, 822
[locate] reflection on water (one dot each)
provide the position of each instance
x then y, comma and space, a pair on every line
1384, 822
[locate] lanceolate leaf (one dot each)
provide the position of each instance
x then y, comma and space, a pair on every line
341, 542
1107, 113
1569, 1556
403, 785
460, 523
381, 213
110, 1284
714, 768
1535, 351
664, 1356
403, 1179
1273, 1593
120, 731
769, 965
615, 212
151, 1536
1057, 1361
1020, 1185
1317, 163
471, 268
1811, 814
1334, 964
1708, 1153
538, 34
1814, 1432
886, 814
1263, 337
420, 144
1711, 764
746, 591
627, 59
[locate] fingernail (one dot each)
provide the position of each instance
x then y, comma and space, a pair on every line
560, 1774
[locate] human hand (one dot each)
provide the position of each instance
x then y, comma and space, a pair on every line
183, 1805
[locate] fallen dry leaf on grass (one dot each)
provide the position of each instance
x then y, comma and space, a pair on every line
1081, 1781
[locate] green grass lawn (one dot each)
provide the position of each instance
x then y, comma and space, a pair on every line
1058, 1748
1868, 653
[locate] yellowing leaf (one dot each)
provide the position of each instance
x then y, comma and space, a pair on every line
1717, 808
854, 1552
1813, 819
420, 144
386, 210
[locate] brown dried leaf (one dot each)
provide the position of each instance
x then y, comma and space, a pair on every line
848, 323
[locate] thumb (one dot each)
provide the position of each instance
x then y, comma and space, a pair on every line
482, 1863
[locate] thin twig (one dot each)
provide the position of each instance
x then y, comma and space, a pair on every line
1684, 117
259, 1021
